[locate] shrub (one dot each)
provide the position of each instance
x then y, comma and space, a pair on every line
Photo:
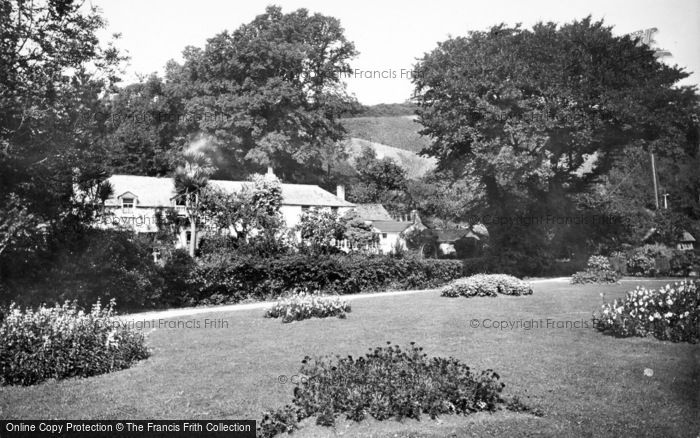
487, 285
669, 313
101, 265
177, 289
597, 271
650, 260
386, 383
62, 341
236, 277
304, 306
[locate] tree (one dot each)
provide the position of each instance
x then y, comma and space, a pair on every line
270, 92
359, 235
189, 181
142, 123
380, 181
53, 76
541, 114
320, 231
251, 216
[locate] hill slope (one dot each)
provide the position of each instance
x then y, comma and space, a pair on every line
415, 165
399, 132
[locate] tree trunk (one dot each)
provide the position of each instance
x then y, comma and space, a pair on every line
193, 237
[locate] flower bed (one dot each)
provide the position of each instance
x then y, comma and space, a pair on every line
386, 383
62, 341
669, 313
597, 271
302, 306
487, 285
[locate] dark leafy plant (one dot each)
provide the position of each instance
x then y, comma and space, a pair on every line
387, 383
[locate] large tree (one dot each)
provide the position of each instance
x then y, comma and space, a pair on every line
53, 74
541, 114
270, 92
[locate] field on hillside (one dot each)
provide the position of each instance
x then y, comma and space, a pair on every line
415, 165
399, 132
586, 383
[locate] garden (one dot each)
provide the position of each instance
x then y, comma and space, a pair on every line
513, 366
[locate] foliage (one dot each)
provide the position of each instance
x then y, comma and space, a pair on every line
250, 217
270, 92
53, 75
302, 305
97, 264
646, 260
233, 277
380, 181
487, 285
541, 114
669, 313
61, 342
177, 290
598, 270
359, 234
389, 383
320, 231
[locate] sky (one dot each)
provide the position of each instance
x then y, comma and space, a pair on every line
390, 35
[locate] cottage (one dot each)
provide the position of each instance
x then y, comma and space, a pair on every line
136, 200
391, 233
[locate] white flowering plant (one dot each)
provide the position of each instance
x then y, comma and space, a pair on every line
303, 305
670, 313
487, 285
62, 341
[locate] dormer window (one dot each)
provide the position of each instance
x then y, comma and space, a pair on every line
127, 205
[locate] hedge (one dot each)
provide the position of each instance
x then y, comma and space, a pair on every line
231, 278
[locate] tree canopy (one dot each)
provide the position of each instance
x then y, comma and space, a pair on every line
540, 115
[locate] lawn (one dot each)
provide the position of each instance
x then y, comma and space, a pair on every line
586, 383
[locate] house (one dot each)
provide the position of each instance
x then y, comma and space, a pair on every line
137, 199
460, 242
391, 233
686, 242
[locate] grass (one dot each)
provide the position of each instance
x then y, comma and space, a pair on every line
586, 383
400, 132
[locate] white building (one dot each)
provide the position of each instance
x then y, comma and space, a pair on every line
136, 199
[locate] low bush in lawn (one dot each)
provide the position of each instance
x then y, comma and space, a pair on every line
303, 305
230, 278
597, 271
386, 383
487, 285
62, 341
669, 313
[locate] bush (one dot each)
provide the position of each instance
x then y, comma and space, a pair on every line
178, 291
669, 313
598, 271
102, 265
487, 285
62, 341
302, 306
232, 278
386, 383
650, 260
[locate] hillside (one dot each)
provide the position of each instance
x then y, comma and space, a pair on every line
399, 132
415, 165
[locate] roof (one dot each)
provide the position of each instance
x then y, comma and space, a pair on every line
391, 226
372, 212
687, 237
154, 191
454, 235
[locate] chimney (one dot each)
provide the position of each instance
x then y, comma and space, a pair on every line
340, 191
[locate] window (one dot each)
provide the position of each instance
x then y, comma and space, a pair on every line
304, 208
180, 203
383, 235
127, 205
334, 210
